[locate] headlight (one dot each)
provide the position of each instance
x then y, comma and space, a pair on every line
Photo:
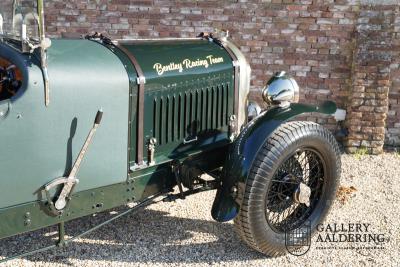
281, 90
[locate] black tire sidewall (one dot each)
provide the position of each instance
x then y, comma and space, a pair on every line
313, 139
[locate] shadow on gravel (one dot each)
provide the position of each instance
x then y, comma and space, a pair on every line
148, 236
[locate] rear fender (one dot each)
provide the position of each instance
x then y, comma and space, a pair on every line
244, 150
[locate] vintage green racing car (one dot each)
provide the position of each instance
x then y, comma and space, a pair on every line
90, 124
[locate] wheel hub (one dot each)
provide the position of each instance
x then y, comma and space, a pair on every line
296, 188
302, 194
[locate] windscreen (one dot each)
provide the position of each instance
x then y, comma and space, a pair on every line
19, 18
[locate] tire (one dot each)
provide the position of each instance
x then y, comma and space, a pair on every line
284, 160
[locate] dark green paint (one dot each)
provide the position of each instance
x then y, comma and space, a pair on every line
39, 144
245, 149
140, 185
196, 102
14, 219
133, 102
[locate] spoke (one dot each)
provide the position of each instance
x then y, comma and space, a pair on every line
280, 204
289, 211
306, 167
292, 218
279, 194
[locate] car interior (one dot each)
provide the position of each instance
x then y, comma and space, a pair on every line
10, 79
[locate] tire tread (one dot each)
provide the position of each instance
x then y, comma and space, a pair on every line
286, 134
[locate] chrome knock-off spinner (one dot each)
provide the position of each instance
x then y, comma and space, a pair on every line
302, 194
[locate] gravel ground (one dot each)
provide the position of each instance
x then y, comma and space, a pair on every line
183, 233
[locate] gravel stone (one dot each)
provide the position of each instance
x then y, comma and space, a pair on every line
183, 233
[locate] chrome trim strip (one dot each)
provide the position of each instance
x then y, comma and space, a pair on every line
141, 80
1, 24
127, 41
244, 83
236, 66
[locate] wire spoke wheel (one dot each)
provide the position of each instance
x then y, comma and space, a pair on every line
283, 209
292, 184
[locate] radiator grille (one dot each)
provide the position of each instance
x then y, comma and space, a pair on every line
184, 115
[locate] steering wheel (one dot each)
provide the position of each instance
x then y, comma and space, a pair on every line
9, 82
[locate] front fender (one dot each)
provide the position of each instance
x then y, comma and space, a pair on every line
244, 150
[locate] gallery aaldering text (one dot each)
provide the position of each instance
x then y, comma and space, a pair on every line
350, 232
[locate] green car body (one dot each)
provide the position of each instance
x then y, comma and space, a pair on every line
187, 96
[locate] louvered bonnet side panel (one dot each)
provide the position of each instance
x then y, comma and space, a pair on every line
188, 97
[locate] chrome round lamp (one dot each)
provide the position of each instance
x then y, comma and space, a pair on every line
281, 90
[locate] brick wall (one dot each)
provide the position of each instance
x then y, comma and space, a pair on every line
393, 119
344, 50
372, 59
